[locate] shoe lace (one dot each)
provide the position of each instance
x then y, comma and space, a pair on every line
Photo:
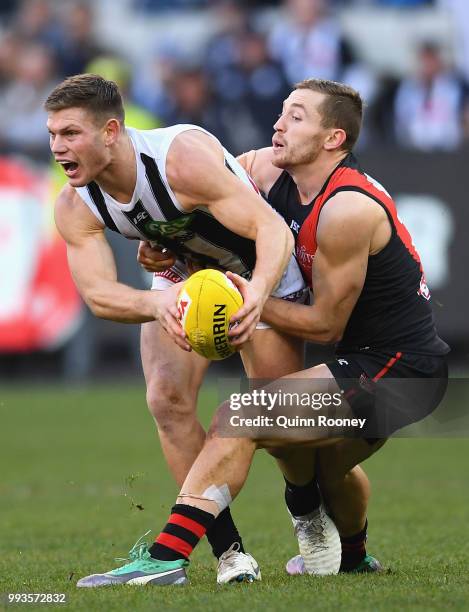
230, 557
138, 550
314, 531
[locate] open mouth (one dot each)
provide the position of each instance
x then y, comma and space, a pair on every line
69, 167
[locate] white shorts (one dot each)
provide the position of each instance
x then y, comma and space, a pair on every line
291, 287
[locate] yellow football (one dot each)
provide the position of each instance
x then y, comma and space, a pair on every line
207, 301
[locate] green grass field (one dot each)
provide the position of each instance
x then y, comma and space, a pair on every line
82, 477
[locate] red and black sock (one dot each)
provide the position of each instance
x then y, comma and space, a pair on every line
353, 550
185, 527
223, 533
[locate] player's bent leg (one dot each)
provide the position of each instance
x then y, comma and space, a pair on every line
270, 355
346, 488
173, 378
317, 535
261, 361
318, 538
224, 462
347, 491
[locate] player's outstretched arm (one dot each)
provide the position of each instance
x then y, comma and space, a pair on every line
345, 230
197, 173
93, 268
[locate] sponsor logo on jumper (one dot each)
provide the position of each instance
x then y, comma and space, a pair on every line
295, 226
219, 331
424, 291
303, 255
170, 275
170, 228
142, 215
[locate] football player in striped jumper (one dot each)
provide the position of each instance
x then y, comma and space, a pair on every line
177, 188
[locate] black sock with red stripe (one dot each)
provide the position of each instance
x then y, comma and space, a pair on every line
353, 550
181, 534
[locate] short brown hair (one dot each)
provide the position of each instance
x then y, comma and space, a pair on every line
342, 107
91, 92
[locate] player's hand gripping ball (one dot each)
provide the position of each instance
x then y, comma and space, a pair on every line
206, 303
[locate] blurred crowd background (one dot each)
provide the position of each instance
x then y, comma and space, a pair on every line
225, 65
228, 64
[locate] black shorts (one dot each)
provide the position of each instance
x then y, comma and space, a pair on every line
390, 389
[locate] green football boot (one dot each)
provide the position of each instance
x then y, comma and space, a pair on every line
368, 565
141, 569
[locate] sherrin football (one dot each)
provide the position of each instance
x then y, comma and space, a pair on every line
207, 301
